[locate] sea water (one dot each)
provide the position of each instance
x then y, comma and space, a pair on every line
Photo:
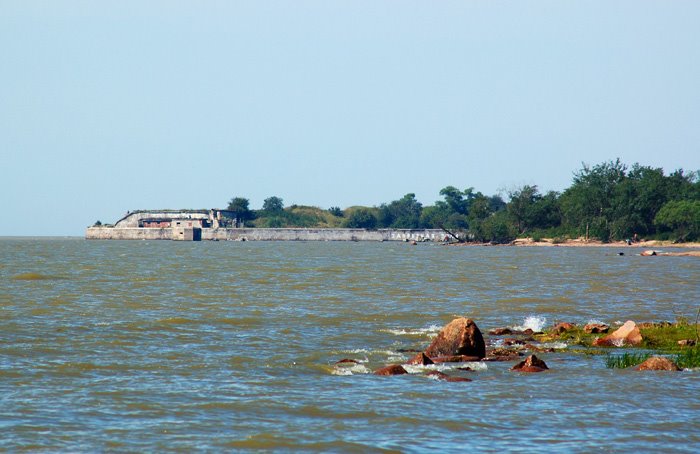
227, 346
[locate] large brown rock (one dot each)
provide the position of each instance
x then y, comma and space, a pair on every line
531, 364
658, 363
459, 337
421, 359
627, 334
394, 369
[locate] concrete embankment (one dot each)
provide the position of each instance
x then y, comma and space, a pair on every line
287, 234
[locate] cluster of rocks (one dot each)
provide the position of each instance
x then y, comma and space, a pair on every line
626, 335
462, 341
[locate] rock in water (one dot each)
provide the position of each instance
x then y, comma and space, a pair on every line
455, 359
420, 360
627, 334
563, 327
442, 376
596, 328
658, 363
501, 331
459, 337
394, 369
531, 364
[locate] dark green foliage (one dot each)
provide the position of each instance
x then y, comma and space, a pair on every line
587, 205
681, 216
273, 205
607, 201
361, 218
239, 207
97, 223
336, 211
404, 213
498, 228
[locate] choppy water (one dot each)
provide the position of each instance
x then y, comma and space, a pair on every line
152, 346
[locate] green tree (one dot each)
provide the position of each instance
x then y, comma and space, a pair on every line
523, 207
681, 216
401, 214
336, 211
498, 228
239, 208
587, 205
273, 205
361, 218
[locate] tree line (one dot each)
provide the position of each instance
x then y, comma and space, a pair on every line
608, 201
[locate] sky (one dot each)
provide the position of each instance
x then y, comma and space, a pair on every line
113, 106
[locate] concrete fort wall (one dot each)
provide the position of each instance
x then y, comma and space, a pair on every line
128, 233
287, 234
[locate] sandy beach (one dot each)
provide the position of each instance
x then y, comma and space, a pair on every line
692, 248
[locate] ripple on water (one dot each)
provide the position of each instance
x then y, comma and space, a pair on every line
225, 346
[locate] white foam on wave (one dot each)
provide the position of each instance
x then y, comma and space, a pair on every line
555, 345
444, 367
595, 321
351, 370
618, 342
430, 330
533, 322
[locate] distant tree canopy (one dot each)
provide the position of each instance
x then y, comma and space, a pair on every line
361, 218
607, 201
273, 205
240, 209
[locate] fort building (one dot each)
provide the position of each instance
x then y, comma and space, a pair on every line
217, 224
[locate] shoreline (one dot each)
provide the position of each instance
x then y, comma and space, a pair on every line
580, 242
692, 248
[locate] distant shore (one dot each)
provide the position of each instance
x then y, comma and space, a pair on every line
655, 245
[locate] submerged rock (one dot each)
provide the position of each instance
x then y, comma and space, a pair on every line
394, 369
563, 327
627, 334
531, 364
420, 360
658, 363
347, 360
514, 341
502, 354
459, 337
455, 359
596, 328
444, 377
500, 331
537, 348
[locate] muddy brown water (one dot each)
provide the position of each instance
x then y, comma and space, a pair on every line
156, 346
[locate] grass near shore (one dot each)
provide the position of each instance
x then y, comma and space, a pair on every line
658, 338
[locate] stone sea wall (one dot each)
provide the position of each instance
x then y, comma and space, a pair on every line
252, 234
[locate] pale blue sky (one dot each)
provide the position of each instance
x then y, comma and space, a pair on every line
113, 106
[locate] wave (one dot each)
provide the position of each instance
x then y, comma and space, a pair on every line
533, 322
37, 277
